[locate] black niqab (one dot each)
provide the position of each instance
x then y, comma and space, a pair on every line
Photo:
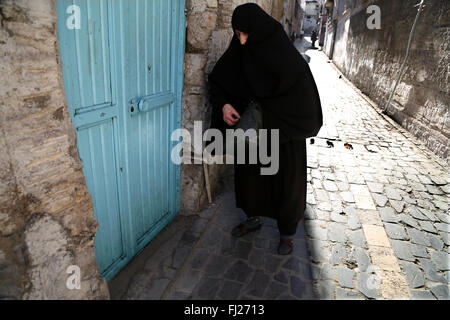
269, 69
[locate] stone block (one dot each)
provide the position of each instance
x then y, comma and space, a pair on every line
194, 69
345, 277
200, 26
369, 217
365, 285
395, 231
394, 286
414, 275
376, 235
384, 258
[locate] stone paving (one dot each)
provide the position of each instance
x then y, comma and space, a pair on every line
377, 222
379, 225
196, 258
223, 267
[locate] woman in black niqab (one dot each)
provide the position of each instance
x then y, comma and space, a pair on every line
269, 70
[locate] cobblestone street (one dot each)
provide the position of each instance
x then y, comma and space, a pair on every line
377, 222
197, 258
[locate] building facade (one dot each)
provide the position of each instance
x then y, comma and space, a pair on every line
311, 20
293, 17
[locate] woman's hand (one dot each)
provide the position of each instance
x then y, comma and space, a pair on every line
230, 115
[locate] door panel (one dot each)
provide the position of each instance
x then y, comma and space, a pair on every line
153, 167
88, 51
96, 148
146, 47
88, 83
123, 75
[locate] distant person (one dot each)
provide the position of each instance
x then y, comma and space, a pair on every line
313, 38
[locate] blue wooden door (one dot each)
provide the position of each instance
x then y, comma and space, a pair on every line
122, 63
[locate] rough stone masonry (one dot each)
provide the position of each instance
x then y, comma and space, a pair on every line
46, 215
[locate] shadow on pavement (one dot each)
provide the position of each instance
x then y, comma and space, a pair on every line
197, 258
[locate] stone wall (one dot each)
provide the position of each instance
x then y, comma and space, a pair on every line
292, 18
208, 34
371, 59
46, 215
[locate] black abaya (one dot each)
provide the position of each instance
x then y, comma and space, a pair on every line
269, 69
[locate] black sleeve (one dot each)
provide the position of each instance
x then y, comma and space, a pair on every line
217, 96
218, 99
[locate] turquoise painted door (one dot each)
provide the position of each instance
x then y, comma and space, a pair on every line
122, 63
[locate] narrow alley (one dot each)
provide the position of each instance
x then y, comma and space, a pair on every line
379, 224
376, 226
98, 99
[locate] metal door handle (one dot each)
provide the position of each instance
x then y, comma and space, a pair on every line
147, 103
141, 104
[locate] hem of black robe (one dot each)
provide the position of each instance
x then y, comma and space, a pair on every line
274, 208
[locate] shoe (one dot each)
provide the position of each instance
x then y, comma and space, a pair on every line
250, 225
286, 246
